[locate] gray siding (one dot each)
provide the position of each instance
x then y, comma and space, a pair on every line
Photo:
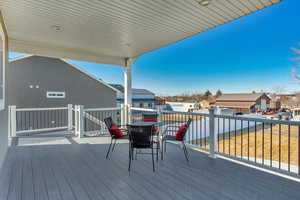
52, 74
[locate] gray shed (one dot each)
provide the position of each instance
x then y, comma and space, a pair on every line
35, 81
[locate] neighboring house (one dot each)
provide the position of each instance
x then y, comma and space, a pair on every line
289, 101
275, 103
206, 103
35, 81
244, 102
141, 98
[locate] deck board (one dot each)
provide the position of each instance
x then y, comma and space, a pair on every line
80, 171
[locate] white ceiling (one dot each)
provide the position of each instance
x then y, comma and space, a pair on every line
107, 31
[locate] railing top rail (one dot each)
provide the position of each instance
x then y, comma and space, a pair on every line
101, 109
269, 121
144, 109
41, 109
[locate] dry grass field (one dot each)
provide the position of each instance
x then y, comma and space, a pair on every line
278, 146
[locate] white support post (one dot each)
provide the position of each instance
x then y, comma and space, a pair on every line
127, 90
80, 121
70, 117
13, 121
212, 134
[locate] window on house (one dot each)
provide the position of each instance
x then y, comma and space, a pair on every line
141, 105
150, 105
56, 95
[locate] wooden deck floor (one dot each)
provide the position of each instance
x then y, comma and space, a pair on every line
80, 171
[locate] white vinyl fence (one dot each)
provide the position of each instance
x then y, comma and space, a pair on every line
84, 121
37, 120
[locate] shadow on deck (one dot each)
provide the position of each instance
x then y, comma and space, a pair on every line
78, 170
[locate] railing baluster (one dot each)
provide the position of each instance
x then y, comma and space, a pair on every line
298, 150
271, 144
242, 139
263, 143
218, 134
279, 146
205, 131
224, 131
248, 140
255, 147
289, 148
234, 137
229, 135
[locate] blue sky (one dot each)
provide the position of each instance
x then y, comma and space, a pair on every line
251, 53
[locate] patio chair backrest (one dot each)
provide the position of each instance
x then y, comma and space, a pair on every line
141, 136
188, 123
109, 122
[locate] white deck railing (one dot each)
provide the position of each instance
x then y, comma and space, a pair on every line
268, 143
32, 120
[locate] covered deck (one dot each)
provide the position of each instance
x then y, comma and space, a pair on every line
62, 167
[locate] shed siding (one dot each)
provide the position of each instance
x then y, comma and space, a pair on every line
51, 74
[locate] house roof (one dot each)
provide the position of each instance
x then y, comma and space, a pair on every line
240, 97
110, 31
235, 104
120, 88
71, 65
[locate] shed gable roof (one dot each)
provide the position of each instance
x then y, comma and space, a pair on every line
240, 97
120, 88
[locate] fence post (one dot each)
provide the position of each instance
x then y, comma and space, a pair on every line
13, 121
212, 134
122, 115
127, 114
159, 113
70, 117
80, 121
9, 122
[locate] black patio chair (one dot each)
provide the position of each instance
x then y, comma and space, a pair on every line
140, 137
168, 135
109, 123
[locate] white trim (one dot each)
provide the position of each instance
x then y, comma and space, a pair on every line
101, 109
41, 109
143, 109
42, 130
19, 58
